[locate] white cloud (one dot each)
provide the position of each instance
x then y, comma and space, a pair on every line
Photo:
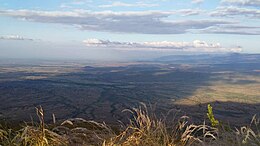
189, 12
122, 4
197, 1
236, 11
15, 37
195, 46
75, 3
255, 3
233, 29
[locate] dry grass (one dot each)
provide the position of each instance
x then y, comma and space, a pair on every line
35, 135
144, 129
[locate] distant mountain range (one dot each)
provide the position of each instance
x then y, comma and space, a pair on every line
210, 58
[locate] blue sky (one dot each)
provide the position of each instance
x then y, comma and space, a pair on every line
124, 29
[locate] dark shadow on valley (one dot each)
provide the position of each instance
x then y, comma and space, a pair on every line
101, 93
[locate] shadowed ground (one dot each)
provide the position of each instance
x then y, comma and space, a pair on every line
101, 93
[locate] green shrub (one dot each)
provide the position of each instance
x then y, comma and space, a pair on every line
211, 117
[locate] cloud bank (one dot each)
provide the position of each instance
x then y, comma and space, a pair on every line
122, 4
195, 46
142, 22
233, 29
236, 11
255, 3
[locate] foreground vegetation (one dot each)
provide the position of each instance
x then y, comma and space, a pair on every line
144, 129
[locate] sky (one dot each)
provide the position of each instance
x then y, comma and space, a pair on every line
127, 29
